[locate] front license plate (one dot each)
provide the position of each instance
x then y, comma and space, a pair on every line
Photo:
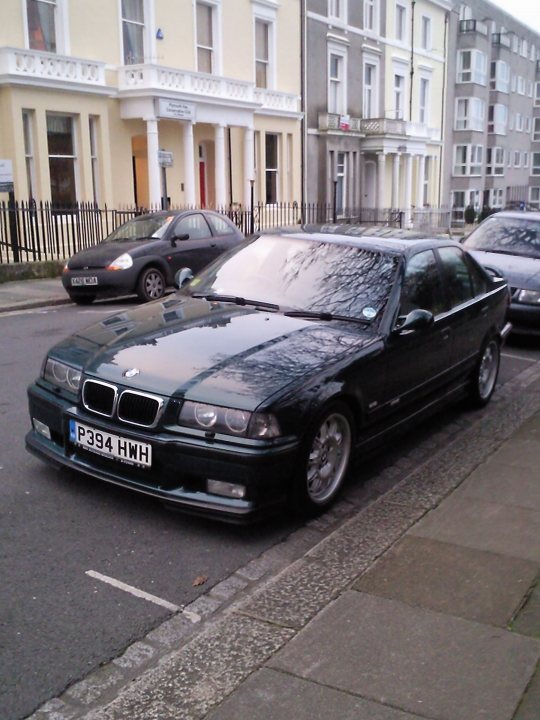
87, 280
120, 448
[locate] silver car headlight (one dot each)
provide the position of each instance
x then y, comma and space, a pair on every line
122, 262
530, 297
62, 375
229, 421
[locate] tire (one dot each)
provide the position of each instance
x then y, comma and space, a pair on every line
82, 299
151, 284
324, 460
486, 373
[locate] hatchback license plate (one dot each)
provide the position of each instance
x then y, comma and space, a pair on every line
120, 448
87, 280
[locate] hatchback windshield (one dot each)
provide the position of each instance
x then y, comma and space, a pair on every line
304, 274
141, 228
515, 236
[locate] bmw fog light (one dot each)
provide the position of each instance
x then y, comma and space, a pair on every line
41, 428
227, 489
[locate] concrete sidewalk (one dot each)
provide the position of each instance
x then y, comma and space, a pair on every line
424, 603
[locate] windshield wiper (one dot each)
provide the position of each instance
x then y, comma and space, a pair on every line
236, 300
324, 316
499, 252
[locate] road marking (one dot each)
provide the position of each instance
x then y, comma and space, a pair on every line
133, 591
518, 357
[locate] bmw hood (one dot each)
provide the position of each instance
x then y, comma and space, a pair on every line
207, 351
520, 272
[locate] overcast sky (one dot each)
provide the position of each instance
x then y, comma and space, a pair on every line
527, 11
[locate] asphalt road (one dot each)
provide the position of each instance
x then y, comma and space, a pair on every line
57, 622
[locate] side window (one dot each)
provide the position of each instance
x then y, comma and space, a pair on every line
219, 225
422, 285
479, 281
457, 279
193, 225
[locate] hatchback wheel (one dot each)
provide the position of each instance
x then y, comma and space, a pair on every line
151, 285
325, 460
486, 373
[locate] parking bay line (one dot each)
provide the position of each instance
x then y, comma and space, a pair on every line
133, 591
517, 357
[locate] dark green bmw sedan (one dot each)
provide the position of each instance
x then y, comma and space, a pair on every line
255, 384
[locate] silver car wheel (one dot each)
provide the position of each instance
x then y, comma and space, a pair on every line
328, 458
488, 370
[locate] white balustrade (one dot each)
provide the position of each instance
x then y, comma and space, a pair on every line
34, 65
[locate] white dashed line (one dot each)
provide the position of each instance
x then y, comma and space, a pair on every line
518, 357
133, 591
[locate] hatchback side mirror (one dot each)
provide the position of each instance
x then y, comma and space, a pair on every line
174, 238
183, 277
416, 320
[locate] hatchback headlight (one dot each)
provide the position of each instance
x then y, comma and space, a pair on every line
229, 421
62, 375
531, 297
122, 262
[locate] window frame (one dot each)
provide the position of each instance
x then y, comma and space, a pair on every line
476, 74
426, 33
28, 126
400, 21
370, 106
473, 161
471, 119
268, 16
73, 157
273, 171
336, 88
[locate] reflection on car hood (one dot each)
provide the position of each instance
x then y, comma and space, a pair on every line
212, 352
522, 272
99, 256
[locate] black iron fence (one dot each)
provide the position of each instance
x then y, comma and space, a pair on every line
32, 231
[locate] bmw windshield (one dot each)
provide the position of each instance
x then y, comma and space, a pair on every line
300, 274
507, 235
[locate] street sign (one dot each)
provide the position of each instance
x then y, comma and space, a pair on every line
165, 158
6, 176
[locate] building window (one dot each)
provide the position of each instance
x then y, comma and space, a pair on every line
427, 174
537, 94
426, 33
535, 170
423, 110
536, 130
519, 122
340, 177
336, 84
534, 196
399, 95
133, 31
472, 67
370, 90
470, 114
337, 10
528, 124
525, 159
371, 14
28, 136
495, 161
262, 54
500, 76
401, 22
517, 158
41, 16
271, 168
205, 38
496, 198
93, 128
468, 159
62, 159
497, 119
521, 87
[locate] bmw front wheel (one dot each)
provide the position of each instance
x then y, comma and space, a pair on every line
486, 373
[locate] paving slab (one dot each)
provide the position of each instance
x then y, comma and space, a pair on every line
413, 659
529, 708
501, 483
518, 452
468, 583
483, 525
527, 621
275, 695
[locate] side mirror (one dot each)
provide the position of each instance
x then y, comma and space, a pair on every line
174, 238
414, 321
183, 277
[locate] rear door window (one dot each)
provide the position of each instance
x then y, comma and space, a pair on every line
458, 282
422, 287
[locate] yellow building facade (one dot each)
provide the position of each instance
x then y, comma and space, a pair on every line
138, 102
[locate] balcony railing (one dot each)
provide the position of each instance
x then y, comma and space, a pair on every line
404, 128
148, 78
500, 39
334, 121
473, 26
48, 68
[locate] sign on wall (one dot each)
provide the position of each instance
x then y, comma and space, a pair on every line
6, 176
165, 158
175, 109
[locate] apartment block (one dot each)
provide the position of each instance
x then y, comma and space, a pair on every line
125, 102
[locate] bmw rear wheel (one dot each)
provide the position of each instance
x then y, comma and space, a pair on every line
325, 459
151, 284
486, 373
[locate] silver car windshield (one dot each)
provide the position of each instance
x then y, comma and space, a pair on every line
509, 235
305, 274
141, 228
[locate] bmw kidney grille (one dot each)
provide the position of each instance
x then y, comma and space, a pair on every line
130, 406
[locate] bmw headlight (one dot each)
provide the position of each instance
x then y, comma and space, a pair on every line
62, 375
122, 262
531, 297
229, 421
